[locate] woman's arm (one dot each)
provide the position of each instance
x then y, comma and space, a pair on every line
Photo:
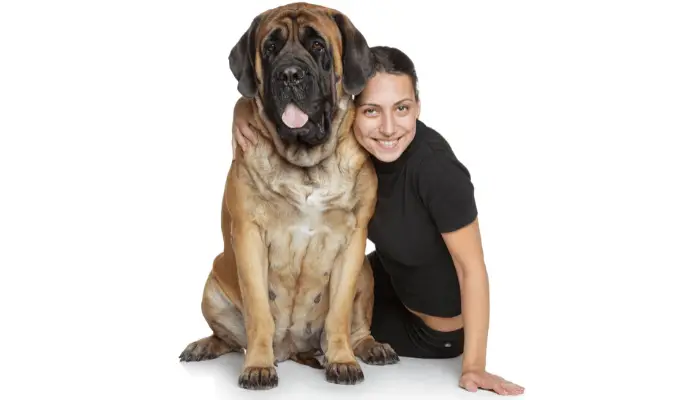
242, 116
465, 247
444, 184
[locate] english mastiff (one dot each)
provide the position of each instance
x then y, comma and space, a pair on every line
292, 281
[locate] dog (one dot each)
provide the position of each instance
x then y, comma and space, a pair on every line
292, 281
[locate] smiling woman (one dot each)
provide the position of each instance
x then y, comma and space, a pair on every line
388, 108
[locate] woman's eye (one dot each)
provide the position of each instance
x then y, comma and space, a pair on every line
369, 111
403, 108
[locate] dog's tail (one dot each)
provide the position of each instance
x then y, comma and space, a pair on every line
308, 359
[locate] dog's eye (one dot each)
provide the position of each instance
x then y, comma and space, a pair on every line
316, 46
270, 48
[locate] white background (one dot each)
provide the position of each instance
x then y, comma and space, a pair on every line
578, 121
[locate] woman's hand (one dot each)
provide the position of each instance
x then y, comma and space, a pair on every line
242, 115
473, 380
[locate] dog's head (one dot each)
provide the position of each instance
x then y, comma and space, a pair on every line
302, 61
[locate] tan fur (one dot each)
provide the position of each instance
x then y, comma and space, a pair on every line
292, 279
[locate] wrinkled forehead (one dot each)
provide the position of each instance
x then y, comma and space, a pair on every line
296, 24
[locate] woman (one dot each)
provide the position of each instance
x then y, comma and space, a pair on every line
431, 284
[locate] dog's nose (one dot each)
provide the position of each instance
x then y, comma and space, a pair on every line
291, 75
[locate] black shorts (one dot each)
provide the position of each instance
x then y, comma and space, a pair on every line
407, 334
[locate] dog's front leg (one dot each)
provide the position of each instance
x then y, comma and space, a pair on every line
342, 366
251, 258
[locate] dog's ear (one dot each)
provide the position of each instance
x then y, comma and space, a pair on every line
241, 60
357, 58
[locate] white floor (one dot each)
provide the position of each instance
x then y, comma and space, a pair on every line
219, 379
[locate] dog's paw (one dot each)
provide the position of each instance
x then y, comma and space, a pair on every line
344, 373
258, 378
206, 349
375, 353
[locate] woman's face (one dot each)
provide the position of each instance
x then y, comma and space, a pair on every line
387, 111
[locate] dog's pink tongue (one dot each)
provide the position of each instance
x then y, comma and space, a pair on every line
293, 117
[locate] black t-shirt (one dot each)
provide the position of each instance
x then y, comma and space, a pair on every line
424, 193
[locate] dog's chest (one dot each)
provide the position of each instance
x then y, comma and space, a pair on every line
308, 226
309, 209
315, 204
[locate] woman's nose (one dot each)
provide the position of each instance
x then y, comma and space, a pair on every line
388, 127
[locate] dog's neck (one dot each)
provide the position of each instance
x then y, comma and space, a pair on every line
268, 170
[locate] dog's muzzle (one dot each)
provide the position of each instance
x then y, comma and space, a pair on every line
300, 110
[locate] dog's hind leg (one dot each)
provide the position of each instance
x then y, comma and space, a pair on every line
206, 349
364, 346
226, 323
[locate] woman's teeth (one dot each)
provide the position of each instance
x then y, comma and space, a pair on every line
388, 144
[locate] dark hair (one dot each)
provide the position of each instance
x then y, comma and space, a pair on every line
391, 60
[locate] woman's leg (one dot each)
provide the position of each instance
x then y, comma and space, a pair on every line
407, 334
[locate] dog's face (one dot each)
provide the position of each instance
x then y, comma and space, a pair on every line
302, 61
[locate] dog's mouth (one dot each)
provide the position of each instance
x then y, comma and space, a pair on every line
304, 125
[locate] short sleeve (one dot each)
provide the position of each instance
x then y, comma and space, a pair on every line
445, 187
